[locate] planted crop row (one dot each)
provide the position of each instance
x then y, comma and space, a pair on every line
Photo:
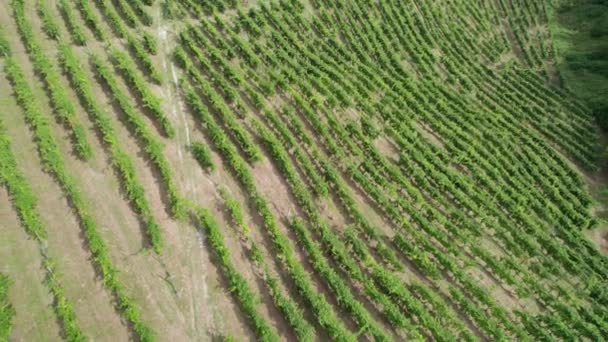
394, 314
52, 159
300, 104
7, 312
239, 286
514, 104
317, 183
290, 309
25, 203
369, 189
123, 163
22, 196
141, 13
337, 249
133, 79
135, 45
241, 136
437, 319
545, 177
153, 147
5, 47
150, 43
91, 19
49, 25
481, 254
483, 257
507, 84
323, 310
342, 291
317, 124
127, 14
333, 178
64, 309
69, 17
300, 194
202, 154
62, 104
229, 91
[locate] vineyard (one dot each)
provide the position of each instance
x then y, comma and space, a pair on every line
282, 170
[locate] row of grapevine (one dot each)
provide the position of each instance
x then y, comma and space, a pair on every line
334, 245
64, 308
202, 154
565, 140
575, 178
287, 306
301, 194
121, 160
25, 203
62, 104
91, 19
49, 25
241, 136
52, 160
69, 18
237, 283
317, 302
428, 178
133, 12
136, 46
526, 19
105, 75
153, 147
341, 290
134, 80
6, 309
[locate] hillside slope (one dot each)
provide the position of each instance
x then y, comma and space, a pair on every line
295, 169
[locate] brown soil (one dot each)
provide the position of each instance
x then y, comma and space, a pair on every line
386, 148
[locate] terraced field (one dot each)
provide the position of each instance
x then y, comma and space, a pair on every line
312, 170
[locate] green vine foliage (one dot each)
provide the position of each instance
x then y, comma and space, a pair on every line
7, 311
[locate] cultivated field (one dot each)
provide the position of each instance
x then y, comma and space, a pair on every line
183, 170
